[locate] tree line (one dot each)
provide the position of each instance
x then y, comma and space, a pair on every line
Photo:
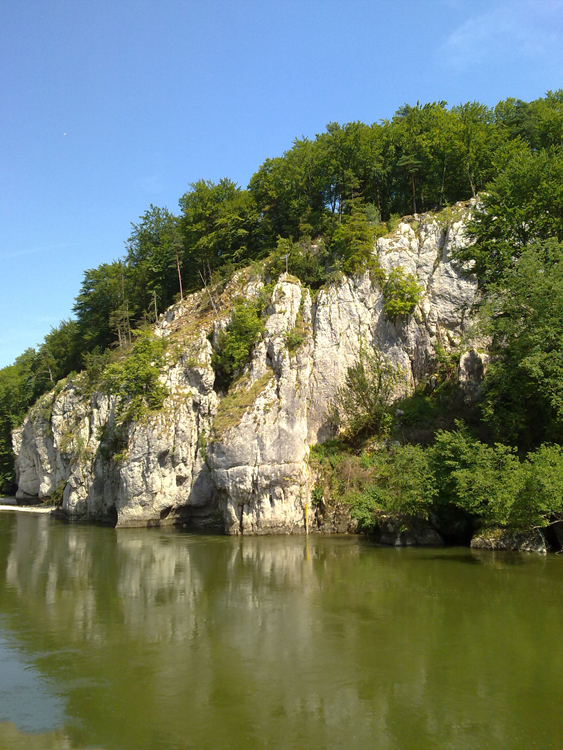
345, 185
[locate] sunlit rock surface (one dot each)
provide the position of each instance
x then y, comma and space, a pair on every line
510, 539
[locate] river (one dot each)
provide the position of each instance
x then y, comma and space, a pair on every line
157, 639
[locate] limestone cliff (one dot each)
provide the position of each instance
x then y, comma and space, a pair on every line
240, 461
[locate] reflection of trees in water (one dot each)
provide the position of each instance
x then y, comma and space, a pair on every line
161, 639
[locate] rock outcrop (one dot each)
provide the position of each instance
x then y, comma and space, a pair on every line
240, 461
511, 540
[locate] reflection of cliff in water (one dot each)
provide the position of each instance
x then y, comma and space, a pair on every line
12, 739
159, 639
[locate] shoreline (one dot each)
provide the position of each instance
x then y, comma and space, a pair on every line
24, 508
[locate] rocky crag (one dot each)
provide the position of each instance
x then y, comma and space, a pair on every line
240, 461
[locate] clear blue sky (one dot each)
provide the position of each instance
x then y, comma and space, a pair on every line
108, 106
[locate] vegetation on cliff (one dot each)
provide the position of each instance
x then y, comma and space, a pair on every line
315, 212
502, 466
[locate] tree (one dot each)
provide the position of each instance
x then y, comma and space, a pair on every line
135, 378
218, 225
154, 260
523, 387
353, 240
522, 205
477, 143
484, 481
101, 295
403, 484
18, 391
361, 406
236, 343
59, 354
401, 293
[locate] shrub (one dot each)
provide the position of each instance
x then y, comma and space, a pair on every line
305, 261
236, 342
403, 483
135, 379
294, 339
361, 406
492, 484
482, 480
401, 293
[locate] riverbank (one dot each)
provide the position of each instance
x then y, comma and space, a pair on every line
10, 503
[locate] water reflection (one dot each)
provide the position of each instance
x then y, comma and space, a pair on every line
158, 639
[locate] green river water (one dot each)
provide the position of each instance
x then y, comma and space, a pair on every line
163, 640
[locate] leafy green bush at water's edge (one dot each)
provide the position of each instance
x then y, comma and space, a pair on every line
488, 485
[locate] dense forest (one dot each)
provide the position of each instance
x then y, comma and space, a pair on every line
321, 204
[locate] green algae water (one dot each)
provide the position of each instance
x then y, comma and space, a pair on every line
162, 640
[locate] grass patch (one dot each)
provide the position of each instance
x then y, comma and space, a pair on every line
449, 215
234, 405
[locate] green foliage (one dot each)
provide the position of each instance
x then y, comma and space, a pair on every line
219, 225
393, 222
95, 363
523, 205
361, 406
101, 294
350, 184
303, 260
491, 483
202, 445
541, 499
401, 293
135, 378
293, 340
353, 240
523, 388
402, 482
237, 341
113, 441
482, 480
57, 495
21, 384
330, 452
317, 496
153, 250
458, 473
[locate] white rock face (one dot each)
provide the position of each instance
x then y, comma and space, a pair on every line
151, 472
241, 461
259, 466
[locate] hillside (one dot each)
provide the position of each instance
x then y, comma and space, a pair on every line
239, 459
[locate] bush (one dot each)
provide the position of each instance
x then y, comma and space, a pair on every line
482, 480
458, 477
541, 498
236, 342
523, 385
401, 293
492, 484
304, 260
403, 483
361, 406
135, 379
